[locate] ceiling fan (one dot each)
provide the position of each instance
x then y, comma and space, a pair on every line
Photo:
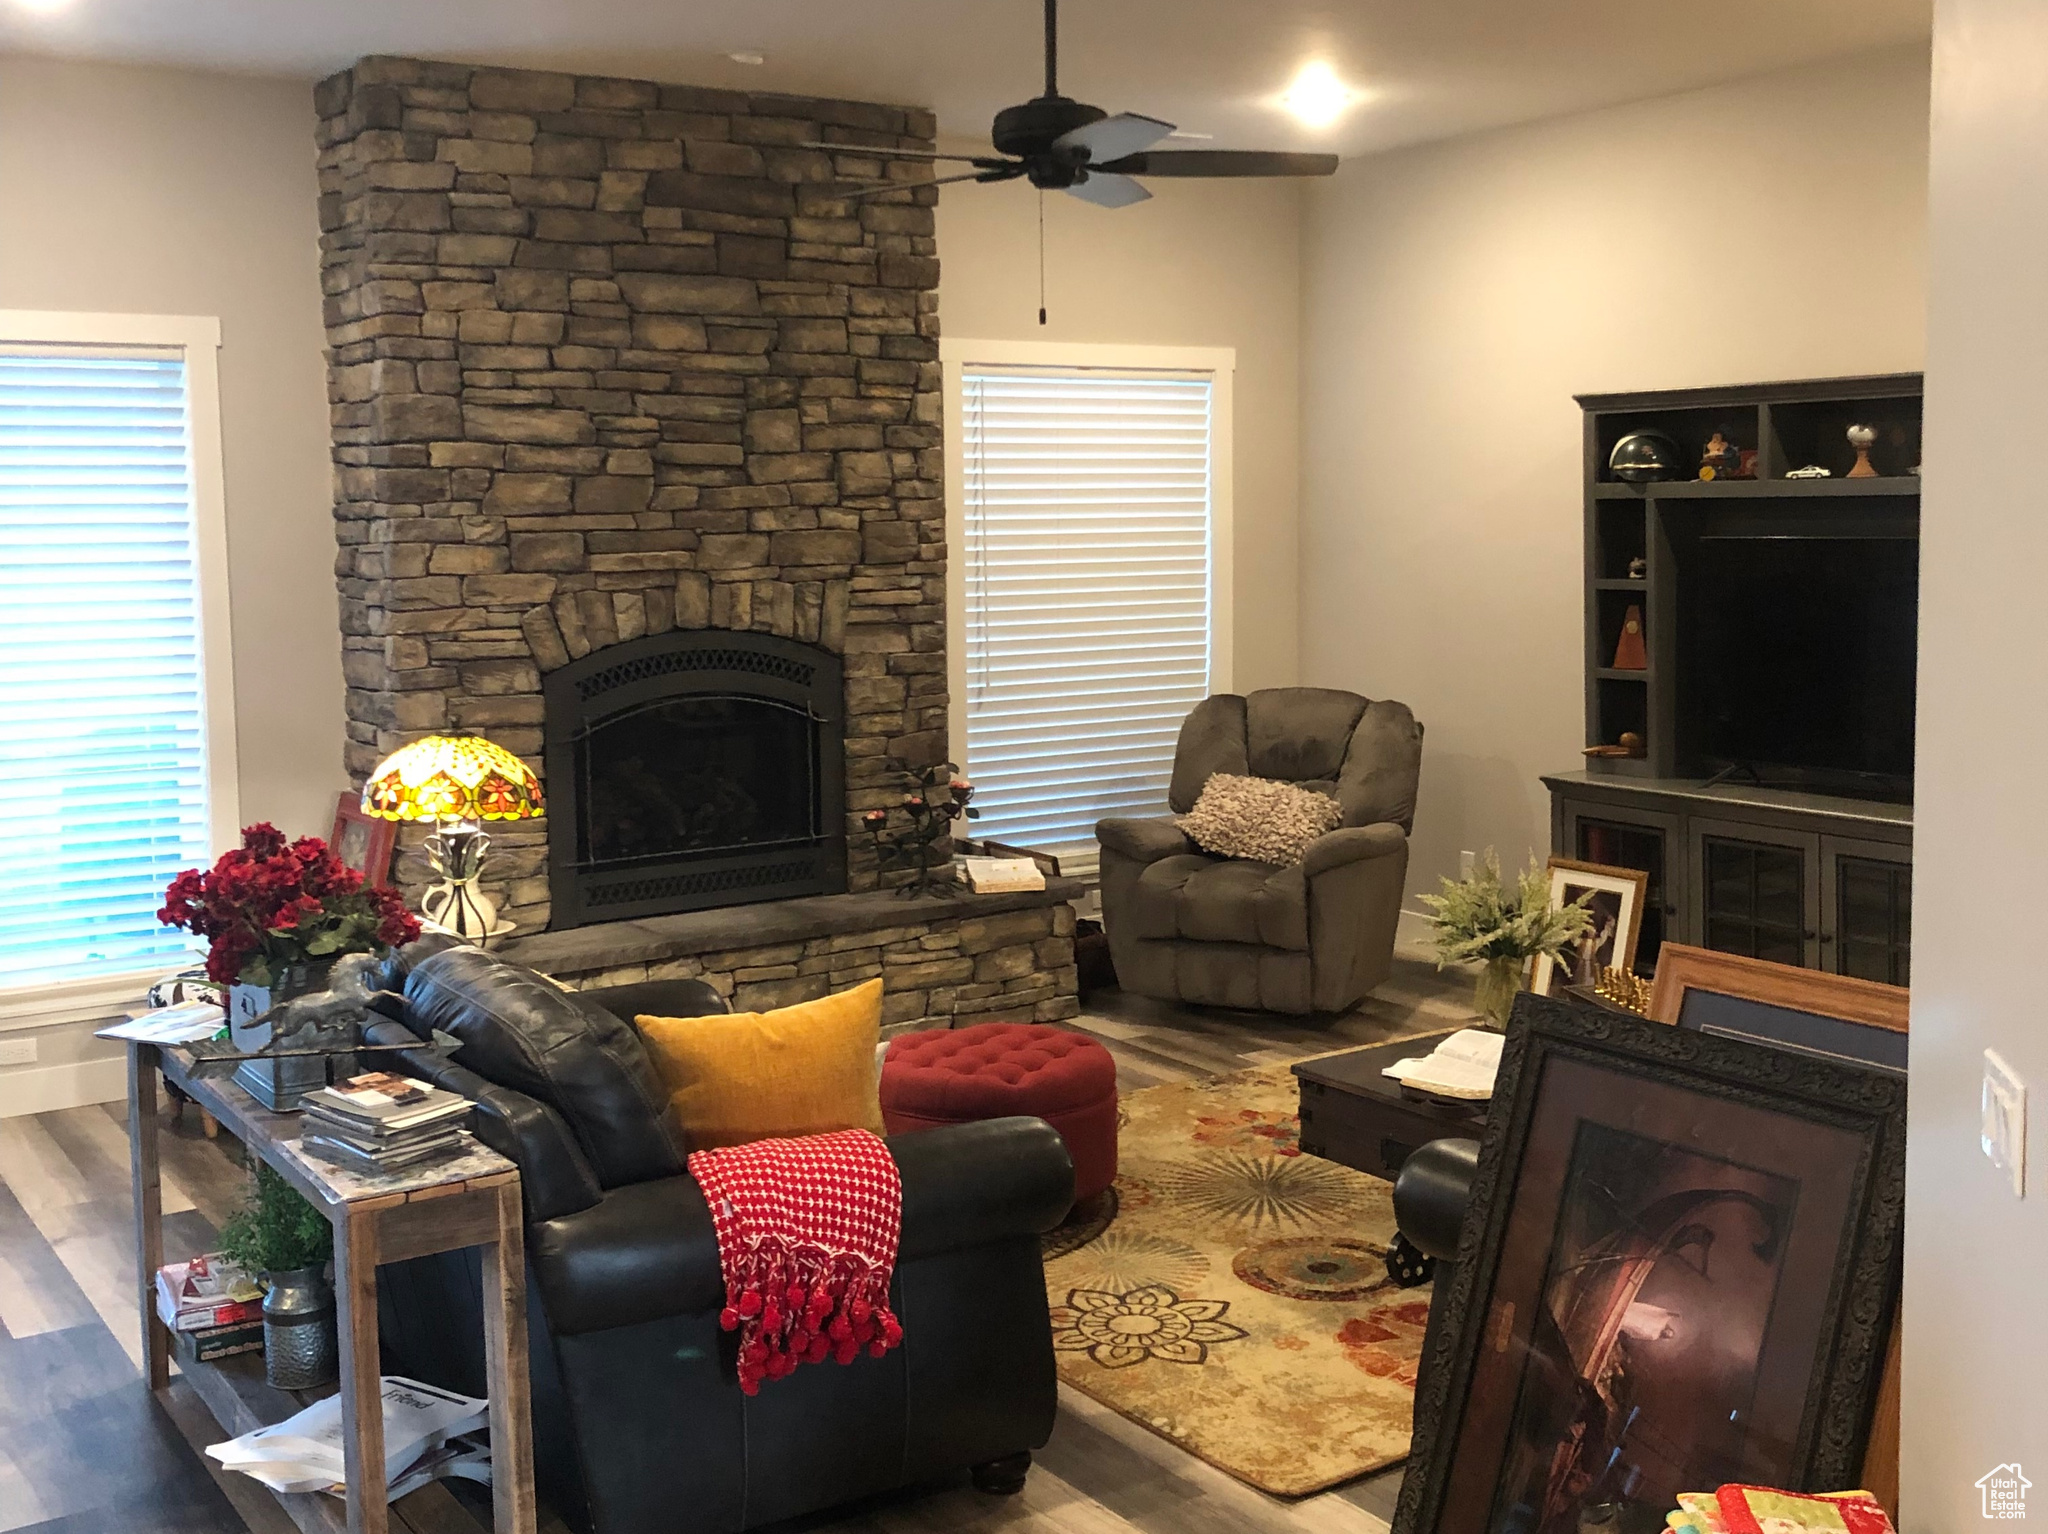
1059, 144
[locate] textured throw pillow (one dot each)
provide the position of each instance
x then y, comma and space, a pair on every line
1259, 818
802, 1070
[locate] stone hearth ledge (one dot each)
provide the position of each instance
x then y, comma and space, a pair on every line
944, 961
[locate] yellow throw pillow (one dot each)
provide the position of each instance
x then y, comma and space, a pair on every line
800, 1070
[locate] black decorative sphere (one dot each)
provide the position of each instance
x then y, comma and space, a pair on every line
1642, 456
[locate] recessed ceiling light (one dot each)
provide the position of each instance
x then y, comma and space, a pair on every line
42, 7
747, 56
1317, 97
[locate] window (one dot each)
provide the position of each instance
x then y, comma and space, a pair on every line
115, 723
1089, 577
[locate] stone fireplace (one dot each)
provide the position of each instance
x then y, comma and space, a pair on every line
635, 417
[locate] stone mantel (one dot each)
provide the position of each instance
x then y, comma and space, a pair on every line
945, 960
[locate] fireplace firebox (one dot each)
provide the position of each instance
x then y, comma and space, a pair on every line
694, 769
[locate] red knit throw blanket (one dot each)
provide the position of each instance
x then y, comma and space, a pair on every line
807, 1237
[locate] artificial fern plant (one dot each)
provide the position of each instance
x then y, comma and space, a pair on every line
275, 1230
1481, 918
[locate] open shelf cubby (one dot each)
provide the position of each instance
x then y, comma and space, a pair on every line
1637, 533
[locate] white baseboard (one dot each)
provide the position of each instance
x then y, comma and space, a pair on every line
75, 1085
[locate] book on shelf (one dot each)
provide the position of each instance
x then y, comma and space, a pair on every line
381, 1162
206, 1292
381, 1137
226, 1341
383, 1104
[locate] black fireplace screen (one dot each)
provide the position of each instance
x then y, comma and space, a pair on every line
693, 770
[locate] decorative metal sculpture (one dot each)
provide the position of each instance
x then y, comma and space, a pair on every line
933, 799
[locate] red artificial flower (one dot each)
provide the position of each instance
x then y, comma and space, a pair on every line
265, 902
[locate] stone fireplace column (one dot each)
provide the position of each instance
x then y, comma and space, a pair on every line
607, 358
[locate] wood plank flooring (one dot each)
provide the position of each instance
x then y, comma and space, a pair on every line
86, 1449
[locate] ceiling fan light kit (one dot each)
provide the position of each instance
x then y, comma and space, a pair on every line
1316, 97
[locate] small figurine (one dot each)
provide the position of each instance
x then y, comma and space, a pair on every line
1639, 569
1811, 471
1721, 459
1861, 438
1630, 653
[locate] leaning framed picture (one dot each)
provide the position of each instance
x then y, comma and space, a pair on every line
1615, 898
364, 842
1678, 1269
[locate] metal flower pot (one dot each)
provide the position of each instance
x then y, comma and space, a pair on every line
277, 1084
299, 1346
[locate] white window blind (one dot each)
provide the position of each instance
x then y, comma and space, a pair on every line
1087, 628
103, 781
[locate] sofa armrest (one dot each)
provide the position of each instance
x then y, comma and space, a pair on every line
649, 1250
1144, 841
1352, 844
969, 1184
554, 1174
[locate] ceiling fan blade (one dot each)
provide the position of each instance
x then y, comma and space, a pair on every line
871, 152
1106, 190
884, 188
1112, 138
1221, 162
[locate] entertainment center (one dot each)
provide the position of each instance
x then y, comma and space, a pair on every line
1750, 669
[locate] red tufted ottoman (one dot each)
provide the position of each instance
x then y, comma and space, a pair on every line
993, 1070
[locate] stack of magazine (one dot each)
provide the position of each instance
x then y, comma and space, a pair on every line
381, 1123
429, 1434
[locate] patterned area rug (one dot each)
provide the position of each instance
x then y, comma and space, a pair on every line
1231, 1294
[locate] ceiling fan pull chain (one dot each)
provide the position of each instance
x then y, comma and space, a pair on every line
1041, 249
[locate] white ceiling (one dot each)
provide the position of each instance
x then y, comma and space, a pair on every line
1434, 67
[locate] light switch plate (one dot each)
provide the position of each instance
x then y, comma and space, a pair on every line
17, 1051
2005, 1121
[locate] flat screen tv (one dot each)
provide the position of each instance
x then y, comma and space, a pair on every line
1796, 661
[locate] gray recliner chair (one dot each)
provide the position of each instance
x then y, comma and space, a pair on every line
1185, 925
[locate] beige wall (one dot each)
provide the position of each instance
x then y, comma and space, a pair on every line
1459, 294
150, 191
1975, 1254
1202, 264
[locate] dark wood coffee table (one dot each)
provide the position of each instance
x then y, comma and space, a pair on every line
1357, 1117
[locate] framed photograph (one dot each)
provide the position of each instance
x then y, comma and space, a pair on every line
1678, 1269
1804, 1009
363, 842
1812, 1012
1615, 897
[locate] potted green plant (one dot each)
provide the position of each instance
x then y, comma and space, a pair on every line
280, 1237
1479, 918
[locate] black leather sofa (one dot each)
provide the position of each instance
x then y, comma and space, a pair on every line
639, 1422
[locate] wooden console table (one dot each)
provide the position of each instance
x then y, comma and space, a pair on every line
471, 1201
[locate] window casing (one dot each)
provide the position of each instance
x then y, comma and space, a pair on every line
1089, 575
116, 701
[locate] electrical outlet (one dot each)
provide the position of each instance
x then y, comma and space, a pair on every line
2005, 1121
17, 1051
1465, 862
